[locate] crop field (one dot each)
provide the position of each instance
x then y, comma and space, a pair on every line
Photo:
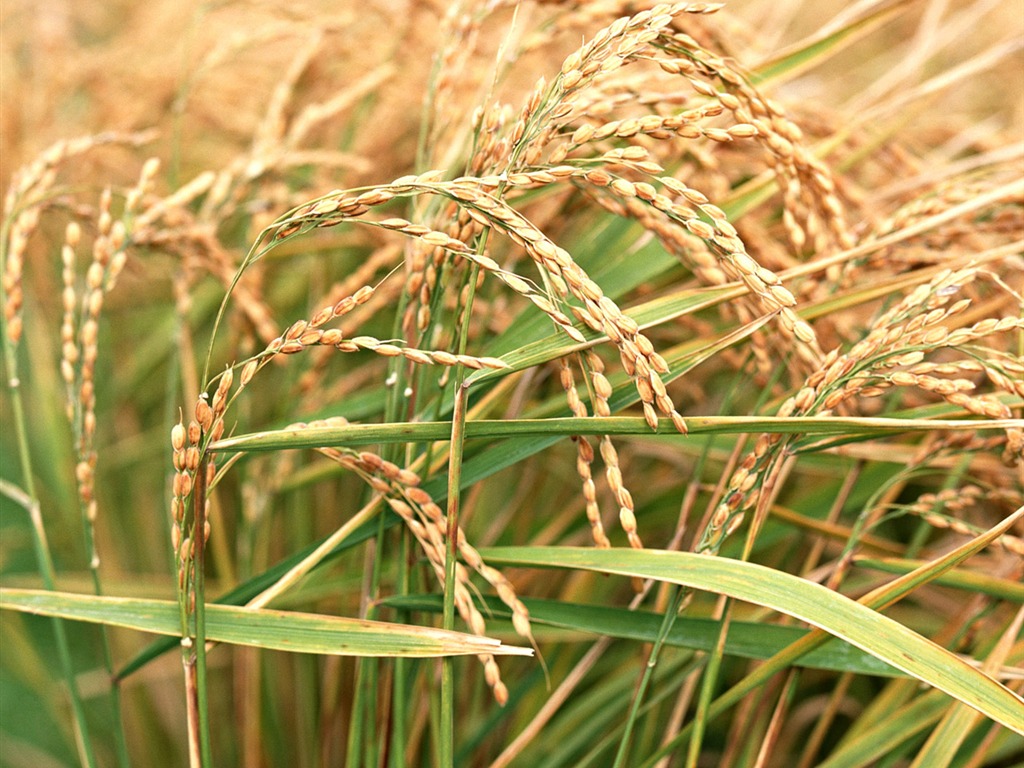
543, 383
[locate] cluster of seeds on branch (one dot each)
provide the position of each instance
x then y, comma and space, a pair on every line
24, 224
595, 309
23, 204
194, 472
686, 125
380, 260
600, 390
957, 501
949, 194
702, 258
305, 334
811, 207
80, 324
612, 48
429, 525
682, 219
698, 217
559, 271
889, 356
741, 493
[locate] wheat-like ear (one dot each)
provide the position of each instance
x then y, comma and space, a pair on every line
659, 207
424, 519
946, 509
890, 356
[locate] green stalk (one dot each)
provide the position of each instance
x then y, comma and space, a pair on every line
371, 666
399, 714
44, 559
458, 436
360, 745
358, 725
120, 739
355, 729
707, 691
671, 611
199, 590
447, 742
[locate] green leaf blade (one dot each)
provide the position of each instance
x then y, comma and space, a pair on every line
262, 628
746, 639
836, 614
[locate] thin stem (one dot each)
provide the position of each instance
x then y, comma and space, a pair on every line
199, 592
356, 725
366, 696
707, 688
458, 436
454, 498
44, 559
188, 662
399, 688
120, 738
652, 661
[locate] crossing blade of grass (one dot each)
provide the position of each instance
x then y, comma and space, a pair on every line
746, 639
977, 583
261, 628
836, 614
646, 315
254, 587
402, 432
789, 64
889, 737
944, 742
877, 599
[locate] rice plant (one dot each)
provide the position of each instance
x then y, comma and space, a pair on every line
496, 383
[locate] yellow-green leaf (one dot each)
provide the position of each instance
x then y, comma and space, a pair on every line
261, 628
837, 614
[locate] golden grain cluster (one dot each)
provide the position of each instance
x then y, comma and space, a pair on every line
447, 212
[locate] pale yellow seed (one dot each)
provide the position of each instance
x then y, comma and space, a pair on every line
444, 358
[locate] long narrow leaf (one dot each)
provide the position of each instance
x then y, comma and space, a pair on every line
404, 432
813, 52
869, 630
651, 313
263, 628
746, 639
